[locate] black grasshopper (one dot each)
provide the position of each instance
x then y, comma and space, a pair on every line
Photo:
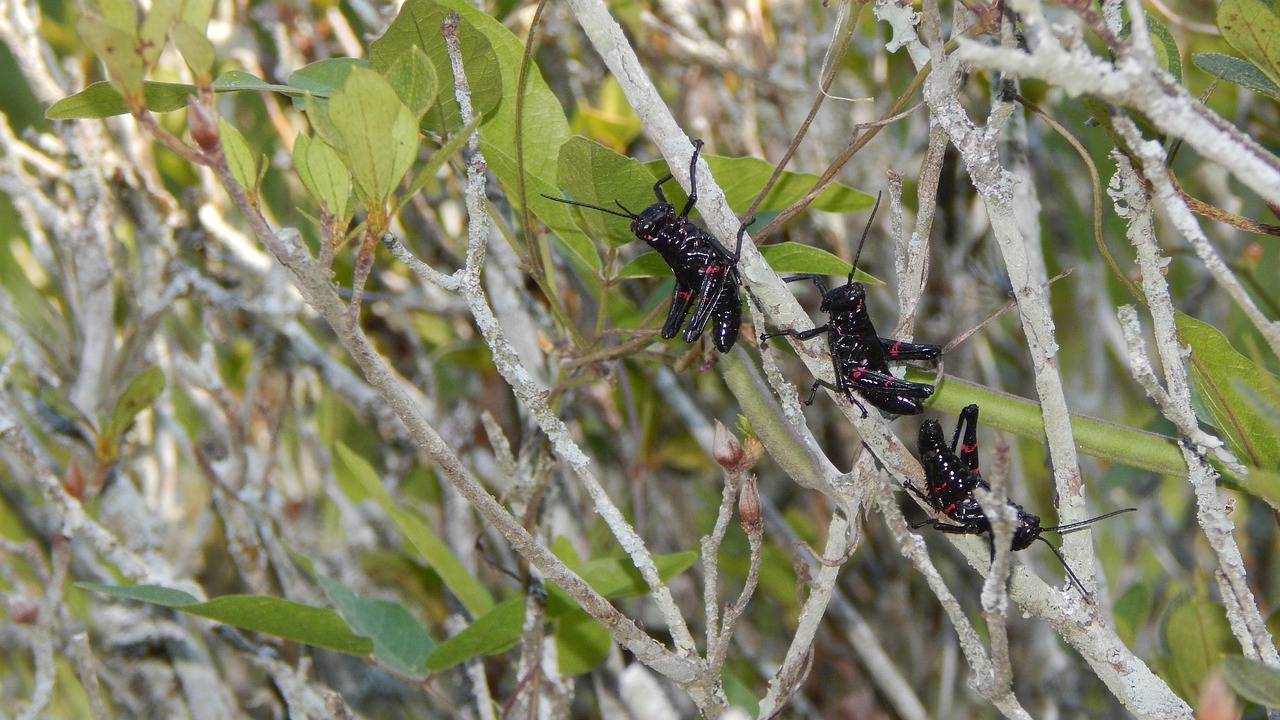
706, 271
950, 480
861, 358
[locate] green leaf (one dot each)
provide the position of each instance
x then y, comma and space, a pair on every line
240, 159
323, 174
613, 120
195, 48
140, 394
619, 577
742, 178
315, 626
789, 257
117, 48
101, 100
379, 134
473, 596
738, 693
239, 80
595, 174
1195, 634
317, 111
153, 31
649, 264
122, 14
427, 171
499, 629
418, 25
1220, 374
1095, 437
1264, 484
1253, 28
399, 640
1252, 680
1235, 70
558, 216
322, 78
1166, 50
581, 642
414, 80
492, 632
196, 13
1131, 610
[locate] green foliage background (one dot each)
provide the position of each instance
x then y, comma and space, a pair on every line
160, 369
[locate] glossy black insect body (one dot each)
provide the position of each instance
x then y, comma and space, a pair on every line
861, 357
951, 477
706, 271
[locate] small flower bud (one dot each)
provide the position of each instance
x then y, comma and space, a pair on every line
202, 124
73, 483
726, 449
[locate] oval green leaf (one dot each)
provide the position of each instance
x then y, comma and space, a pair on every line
195, 49
323, 77
1252, 680
581, 642
101, 100
418, 25
399, 640
1253, 28
323, 174
1234, 70
594, 174
378, 133
742, 178
240, 159
789, 257
281, 618
491, 633
414, 80
1236, 392
140, 394
239, 80
1195, 635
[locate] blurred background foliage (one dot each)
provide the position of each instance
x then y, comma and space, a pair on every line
169, 378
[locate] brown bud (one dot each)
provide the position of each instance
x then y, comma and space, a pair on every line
726, 449
21, 609
202, 123
749, 506
73, 483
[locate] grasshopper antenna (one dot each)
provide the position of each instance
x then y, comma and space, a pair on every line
625, 214
865, 231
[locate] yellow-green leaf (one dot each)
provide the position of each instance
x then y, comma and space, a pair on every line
240, 160
1253, 28
473, 596
379, 135
140, 394
321, 170
414, 80
102, 99
1236, 392
320, 627
117, 48
195, 48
